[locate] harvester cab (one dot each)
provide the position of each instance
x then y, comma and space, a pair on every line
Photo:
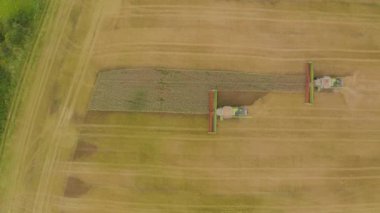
319, 83
327, 82
228, 112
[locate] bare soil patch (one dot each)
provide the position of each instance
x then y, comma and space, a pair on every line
186, 91
84, 149
238, 98
75, 187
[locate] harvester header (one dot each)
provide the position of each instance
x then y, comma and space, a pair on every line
309, 86
212, 105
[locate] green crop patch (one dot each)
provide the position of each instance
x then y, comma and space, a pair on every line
18, 21
8, 8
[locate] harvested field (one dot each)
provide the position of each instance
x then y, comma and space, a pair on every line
288, 158
174, 91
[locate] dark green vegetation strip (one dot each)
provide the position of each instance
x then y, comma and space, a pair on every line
18, 27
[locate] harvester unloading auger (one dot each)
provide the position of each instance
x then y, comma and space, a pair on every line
312, 84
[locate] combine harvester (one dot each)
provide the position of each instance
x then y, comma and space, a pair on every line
319, 83
225, 112
312, 84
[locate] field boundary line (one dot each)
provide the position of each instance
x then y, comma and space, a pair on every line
242, 129
90, 126
153, 52
68, 109
26, 75
118, 44
306, 108
225, 138
49, 63
90, 202
89, 164
252, 9
21, 82
270, 178
237, 17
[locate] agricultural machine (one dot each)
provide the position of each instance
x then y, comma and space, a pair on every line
318, 84
225, 112
323, 83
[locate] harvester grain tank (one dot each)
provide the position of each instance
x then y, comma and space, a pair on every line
228, 112
327, 82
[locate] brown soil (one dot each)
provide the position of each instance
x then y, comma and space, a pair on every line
84, 149
183, 91
76, 187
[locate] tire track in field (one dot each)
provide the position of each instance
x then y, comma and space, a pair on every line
206, 15
23, 78
257, 118
240, 55
98, 205
260, 132
245, 10
268, 177
37, 96
116, 45
89, 164
304, 112
224, 138
119, 48
152, 209
110, 203
306, 108
46, 67
61, 36
115, 188
131, 148
82, 127
296, 59
124, 149
187, 172
317, 117
260, 129
322, 115
41, 202
26, 66
244, 13
341, 130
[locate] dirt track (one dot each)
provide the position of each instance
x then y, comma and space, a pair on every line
289, 157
